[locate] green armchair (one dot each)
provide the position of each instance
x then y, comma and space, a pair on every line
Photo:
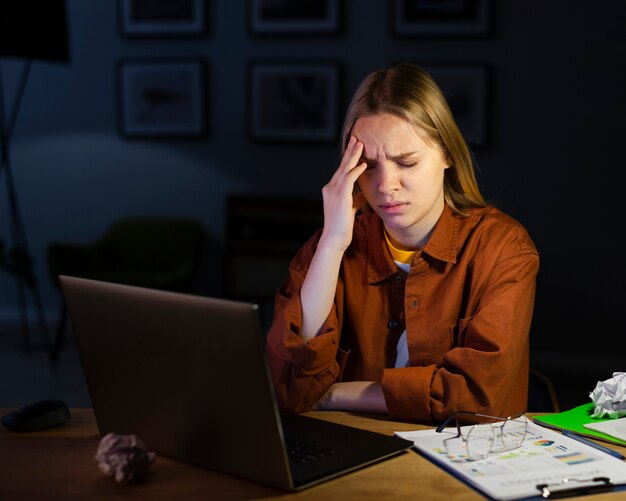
154, 252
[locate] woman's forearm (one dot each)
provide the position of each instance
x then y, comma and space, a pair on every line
340, 207
318, 289
358, 396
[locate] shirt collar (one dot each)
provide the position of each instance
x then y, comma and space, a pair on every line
380, 264
443, 244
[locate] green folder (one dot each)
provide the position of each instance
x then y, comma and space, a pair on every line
573, 420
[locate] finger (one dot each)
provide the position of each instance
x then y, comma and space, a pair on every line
352, 176
349, 161
344, 184
352, 154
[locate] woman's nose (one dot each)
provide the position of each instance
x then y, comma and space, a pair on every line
389, 180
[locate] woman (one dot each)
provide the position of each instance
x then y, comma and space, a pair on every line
420, 305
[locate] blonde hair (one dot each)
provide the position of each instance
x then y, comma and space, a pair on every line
408, 92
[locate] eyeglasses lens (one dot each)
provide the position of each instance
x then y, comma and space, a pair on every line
513, 433
479, 441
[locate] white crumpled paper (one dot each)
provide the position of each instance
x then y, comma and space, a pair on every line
609, 397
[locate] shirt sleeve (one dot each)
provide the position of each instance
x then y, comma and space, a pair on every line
487, 369
302, 371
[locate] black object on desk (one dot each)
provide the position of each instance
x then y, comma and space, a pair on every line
39, 415
562, 489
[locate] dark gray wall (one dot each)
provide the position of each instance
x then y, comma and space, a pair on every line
556, 103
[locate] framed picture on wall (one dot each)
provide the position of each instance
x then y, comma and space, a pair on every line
465, 87
294, 17
439, 18
291, 101
152, 18
162, 98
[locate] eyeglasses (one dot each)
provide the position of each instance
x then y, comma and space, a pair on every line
478, 441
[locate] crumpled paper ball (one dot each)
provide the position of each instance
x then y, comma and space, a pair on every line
609, 397
125, 457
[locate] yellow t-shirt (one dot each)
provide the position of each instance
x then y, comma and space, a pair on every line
400, 255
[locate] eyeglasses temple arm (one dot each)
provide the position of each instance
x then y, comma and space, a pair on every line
440, 428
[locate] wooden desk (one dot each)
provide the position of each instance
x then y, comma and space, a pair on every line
59, 464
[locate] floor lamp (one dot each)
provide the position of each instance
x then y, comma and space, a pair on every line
29, 30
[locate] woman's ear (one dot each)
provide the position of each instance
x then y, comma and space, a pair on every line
448, 158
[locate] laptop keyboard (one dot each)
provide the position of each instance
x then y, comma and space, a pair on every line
301, 452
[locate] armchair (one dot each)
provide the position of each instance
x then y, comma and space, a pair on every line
154, 252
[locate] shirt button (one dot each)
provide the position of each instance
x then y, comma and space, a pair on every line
393, 324
399, 278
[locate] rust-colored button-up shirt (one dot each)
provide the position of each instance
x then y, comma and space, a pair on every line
466, 304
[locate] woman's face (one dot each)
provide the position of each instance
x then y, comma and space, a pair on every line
403, 182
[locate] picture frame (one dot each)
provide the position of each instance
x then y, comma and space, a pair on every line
162, 98
440, 18
162, 18
293, 101
466, 88
295, 17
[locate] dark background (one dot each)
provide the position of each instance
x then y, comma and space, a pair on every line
556, 102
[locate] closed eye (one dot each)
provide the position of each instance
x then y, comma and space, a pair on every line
402, 163
406, 160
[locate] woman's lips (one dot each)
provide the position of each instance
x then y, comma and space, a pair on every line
394, 207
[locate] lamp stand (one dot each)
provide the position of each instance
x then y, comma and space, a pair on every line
17, 260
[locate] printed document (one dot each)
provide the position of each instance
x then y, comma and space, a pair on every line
545, 457
615, 428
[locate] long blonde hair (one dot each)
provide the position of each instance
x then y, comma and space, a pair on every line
410, 93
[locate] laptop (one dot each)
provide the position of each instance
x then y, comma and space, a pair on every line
189, 375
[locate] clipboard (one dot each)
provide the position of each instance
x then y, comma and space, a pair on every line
547, 466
